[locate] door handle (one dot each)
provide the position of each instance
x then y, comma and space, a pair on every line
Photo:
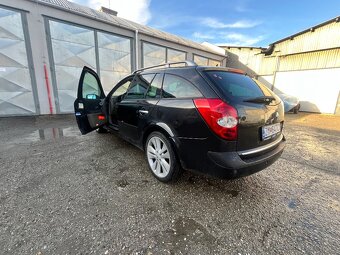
143, 112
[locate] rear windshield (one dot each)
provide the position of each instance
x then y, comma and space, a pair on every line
234, 85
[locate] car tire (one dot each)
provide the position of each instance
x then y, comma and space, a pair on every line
161, 158
101, 130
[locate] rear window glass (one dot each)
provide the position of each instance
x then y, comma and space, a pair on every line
235, 86
177, 87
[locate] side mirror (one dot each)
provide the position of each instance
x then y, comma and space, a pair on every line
91, 96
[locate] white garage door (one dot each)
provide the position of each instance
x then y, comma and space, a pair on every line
317, 89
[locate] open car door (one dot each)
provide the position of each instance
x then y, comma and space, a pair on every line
88, 105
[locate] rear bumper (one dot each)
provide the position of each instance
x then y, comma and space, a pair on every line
232, 165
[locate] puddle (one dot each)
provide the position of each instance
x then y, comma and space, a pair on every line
52, 134
292, 204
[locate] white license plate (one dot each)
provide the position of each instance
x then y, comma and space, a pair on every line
271, 131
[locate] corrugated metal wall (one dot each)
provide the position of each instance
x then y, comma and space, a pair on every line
248, 59
252, 61
311, 60
325, 37
268, 65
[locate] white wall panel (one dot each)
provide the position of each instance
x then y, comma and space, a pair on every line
317, 89
267, 80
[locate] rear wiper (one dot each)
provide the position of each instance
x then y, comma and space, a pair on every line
261, 100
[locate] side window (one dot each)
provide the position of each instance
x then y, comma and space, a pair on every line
147, 77
154, 90
177, 87
91, 88
121, 90
139, 87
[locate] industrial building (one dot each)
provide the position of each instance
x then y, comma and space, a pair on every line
306, 65
45, 43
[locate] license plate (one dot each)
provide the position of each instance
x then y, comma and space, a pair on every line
271, 131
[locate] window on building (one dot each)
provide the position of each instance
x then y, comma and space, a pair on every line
114, 59
201, 61
153, 55
175, 55
16, 92
73, 48
212, 62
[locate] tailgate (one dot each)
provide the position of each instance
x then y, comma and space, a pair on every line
258, 125
260, 111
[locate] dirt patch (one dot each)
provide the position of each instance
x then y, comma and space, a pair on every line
322, 121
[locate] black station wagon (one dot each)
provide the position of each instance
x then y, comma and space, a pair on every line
212, 120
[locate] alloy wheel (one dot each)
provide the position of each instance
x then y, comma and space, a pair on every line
158, 156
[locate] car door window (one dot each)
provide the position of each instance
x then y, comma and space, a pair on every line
122, 89
177, 87
154, 90
91, 89
139, 87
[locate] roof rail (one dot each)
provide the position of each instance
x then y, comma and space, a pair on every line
167, 65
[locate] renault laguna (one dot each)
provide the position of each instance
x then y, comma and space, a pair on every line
212, 120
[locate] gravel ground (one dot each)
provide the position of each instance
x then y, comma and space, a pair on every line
62, 193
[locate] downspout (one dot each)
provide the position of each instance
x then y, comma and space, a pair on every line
136, 50
47, 83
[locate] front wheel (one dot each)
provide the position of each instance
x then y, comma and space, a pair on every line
161, 158
101, 130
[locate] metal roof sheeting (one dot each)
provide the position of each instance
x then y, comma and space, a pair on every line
336, 19
325, 37
127, 24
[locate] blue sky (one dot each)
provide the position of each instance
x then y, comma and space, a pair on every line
237, 22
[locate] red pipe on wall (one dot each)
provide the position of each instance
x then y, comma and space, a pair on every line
47, 82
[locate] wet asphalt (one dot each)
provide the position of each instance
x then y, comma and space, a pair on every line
63, 193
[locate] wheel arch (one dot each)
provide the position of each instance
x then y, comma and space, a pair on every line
168, 133
160, 127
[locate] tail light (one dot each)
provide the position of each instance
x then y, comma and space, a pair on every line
220, 117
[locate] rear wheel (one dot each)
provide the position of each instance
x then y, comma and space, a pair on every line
161, 158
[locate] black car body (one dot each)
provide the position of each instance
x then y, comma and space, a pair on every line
217, 121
